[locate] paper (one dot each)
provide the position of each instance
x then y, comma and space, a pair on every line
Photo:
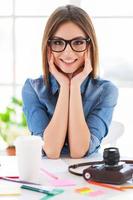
9, 190
50, 164
90, 192
97, 193
122, 197
84, 190
62, 182
8, 166
55, 180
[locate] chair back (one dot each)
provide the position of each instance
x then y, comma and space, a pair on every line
116, 130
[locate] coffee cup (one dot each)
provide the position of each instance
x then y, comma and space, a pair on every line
29, 153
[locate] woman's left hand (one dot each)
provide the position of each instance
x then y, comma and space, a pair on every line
81, 76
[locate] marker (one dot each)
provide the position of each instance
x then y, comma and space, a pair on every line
127, 187
9, 177
37, 189
106, 185
18, 181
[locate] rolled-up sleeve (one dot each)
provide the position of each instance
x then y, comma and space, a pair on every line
36, 115
99, 119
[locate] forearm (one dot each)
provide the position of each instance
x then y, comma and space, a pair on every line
79, 134
55, 133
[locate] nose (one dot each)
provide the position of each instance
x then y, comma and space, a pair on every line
68, 49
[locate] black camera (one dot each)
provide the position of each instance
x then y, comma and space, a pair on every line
112, 170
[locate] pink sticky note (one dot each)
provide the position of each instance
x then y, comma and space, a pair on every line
62, 182
97, 193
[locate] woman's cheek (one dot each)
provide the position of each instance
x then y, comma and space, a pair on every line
56, 60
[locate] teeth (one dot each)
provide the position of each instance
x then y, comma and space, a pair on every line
70, 61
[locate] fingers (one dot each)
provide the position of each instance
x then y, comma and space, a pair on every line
50, 60
51, 64
52, 67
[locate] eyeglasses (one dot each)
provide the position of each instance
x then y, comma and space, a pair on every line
77, 44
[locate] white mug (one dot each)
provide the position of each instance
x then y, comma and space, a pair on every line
29, 152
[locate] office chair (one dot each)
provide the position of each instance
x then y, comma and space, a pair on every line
116, 130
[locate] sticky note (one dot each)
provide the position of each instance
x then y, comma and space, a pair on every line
9, 190
90, 192
97, 193
84, 190
62, 182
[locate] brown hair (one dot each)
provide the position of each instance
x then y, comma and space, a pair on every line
80, 18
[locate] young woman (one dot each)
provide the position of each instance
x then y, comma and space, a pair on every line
69, 106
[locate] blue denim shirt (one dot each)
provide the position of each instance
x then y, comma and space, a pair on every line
99, 98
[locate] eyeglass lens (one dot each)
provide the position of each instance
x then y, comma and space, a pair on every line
59, 45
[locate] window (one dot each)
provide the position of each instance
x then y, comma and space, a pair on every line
22, 24
113, 21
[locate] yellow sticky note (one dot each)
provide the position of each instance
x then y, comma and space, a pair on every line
84, 190
9, 190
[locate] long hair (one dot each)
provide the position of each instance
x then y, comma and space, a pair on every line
79, 17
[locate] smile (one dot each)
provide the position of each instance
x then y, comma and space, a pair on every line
68, 61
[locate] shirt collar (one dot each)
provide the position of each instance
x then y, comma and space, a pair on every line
83, 85
55, 85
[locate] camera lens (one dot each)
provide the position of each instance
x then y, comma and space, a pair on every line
111, 156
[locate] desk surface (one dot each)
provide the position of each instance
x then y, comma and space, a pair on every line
69, 191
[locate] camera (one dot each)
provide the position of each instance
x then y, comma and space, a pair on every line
112, 171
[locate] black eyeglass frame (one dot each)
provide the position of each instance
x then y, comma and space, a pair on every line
69, 42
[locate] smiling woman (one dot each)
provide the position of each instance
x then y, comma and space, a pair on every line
69, 48
70, 107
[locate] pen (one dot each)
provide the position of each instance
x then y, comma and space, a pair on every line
18, 181
36, 189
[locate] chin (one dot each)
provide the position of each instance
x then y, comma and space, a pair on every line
68, 71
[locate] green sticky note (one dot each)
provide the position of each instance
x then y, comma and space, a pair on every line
55, 192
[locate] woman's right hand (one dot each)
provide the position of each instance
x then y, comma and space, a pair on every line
62, 79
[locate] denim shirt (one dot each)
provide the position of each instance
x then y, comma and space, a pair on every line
99, 98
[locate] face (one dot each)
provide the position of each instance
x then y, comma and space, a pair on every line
69, 61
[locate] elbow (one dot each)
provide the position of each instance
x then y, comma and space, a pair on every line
77, 154
52, 154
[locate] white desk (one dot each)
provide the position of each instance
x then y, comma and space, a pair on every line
69, 191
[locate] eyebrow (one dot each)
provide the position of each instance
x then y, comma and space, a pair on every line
78, 37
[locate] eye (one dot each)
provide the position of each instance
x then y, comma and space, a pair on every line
57, 42
78, 42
